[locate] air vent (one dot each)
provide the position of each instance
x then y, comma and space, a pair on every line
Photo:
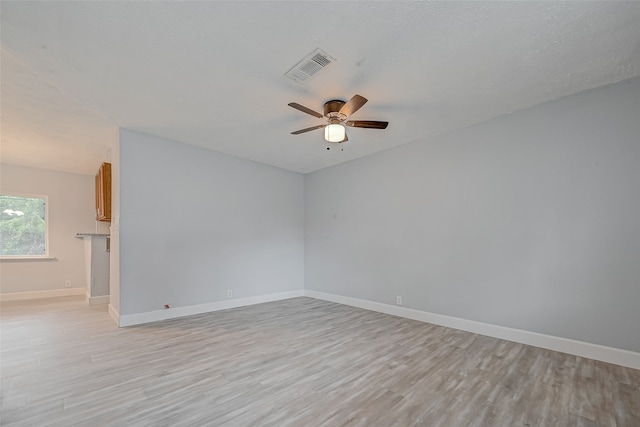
310, 66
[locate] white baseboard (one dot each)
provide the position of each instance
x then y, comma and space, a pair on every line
616, 356
17, 296
156, 315
103, 299
114, 314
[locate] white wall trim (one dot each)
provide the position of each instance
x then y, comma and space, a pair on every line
102, 299
17, 296
156, 315
616, 356
114, 314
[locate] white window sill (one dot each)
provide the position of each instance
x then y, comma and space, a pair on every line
27, 258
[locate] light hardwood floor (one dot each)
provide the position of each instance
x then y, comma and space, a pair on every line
298, 362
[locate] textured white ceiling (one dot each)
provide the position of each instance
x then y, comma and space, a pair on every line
211, 74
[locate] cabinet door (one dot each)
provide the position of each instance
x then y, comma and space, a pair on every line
103, 193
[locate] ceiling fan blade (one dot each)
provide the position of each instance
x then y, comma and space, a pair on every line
304, 109
371, 124
298, 132
354, 104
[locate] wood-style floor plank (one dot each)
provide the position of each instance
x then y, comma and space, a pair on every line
298, 362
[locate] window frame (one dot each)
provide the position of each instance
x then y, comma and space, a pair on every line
47, 245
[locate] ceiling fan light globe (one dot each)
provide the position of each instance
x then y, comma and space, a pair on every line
334, 133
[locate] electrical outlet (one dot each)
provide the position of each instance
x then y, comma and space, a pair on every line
67, 283
229, 293
399, 300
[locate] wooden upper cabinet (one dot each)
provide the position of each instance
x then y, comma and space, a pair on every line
103, 193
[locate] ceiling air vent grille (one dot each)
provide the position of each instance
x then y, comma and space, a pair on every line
310, 66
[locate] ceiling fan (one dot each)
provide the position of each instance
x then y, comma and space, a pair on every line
336, 113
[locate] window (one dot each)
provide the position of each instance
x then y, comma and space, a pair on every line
23, 226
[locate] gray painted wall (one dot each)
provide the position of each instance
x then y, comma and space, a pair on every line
194, 223
530, 221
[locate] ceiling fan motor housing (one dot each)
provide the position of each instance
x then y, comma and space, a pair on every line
332, 109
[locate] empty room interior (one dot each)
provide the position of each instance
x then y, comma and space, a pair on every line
320, 213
